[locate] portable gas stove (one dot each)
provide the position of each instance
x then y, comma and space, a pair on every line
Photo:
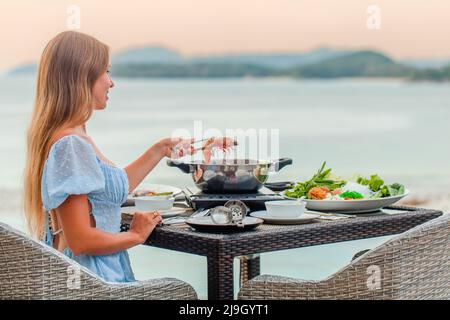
254, 201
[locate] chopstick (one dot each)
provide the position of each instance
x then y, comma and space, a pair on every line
340, 215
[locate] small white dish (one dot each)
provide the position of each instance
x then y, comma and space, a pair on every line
158, 188
153, 203
286, 208
164, 213
306, 217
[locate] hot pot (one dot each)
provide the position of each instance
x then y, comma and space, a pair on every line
230, 176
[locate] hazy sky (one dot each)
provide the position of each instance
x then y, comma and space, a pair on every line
409, 28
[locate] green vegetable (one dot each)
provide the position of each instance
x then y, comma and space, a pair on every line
169, 193
323, 178
351, 195
374, 183
396, 189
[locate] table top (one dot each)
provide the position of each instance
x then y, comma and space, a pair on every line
265, 237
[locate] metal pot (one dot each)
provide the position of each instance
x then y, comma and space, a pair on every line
231, 176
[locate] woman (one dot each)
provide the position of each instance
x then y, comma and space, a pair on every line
72, 192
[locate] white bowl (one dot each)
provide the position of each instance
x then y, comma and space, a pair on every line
153, 203
286, 208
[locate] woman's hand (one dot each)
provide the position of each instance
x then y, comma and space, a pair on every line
143, 224
176, 147
179, 147
83, 238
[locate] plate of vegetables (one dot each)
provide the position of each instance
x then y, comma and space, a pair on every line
327, 192
155, 190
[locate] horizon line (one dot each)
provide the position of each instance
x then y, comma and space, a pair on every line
231, 53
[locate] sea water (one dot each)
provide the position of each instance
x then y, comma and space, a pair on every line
393, 128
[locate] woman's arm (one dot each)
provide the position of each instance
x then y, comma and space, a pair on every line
82, 238
142, 166
169, 147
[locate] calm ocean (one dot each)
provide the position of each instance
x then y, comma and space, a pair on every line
396, 129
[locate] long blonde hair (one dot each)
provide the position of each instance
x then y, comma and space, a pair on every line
69, 66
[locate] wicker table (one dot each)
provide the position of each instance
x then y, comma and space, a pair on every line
221, 249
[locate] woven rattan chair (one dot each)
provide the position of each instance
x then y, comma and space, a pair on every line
412, 265
32, 270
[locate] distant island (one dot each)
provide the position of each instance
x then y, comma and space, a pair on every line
322, 63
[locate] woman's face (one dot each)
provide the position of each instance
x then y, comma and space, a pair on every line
101, 89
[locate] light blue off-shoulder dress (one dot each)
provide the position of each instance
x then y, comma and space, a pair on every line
73, 168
